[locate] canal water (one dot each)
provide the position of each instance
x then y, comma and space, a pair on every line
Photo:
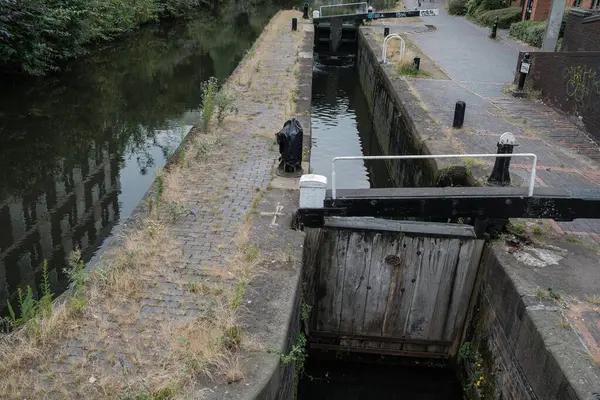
335, 380
341, 125
78, 150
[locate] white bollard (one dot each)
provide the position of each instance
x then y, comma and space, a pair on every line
312, 191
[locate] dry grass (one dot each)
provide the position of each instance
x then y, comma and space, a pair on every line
593, 299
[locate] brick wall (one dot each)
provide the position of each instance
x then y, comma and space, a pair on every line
569, 81
582, 32
540, 10
509, 331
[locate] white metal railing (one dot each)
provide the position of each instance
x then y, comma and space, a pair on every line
385, 44
363, 11
435, 156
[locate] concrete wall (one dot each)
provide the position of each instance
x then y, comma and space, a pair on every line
582, 32
402, 126
569, 81
526, 353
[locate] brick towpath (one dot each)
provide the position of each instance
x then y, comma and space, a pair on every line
138, 339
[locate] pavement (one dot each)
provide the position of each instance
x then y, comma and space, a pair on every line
480, 70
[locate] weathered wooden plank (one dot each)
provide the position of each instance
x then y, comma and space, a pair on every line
354, 292
412, 228
331, 279
429, 280
444, 291
467, 290
381, 351
465, 273
402, 286
378, 284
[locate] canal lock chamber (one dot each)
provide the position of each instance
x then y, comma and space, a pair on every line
372, 332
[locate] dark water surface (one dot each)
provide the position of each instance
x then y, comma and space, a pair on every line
334, 380
342, 126
78, 150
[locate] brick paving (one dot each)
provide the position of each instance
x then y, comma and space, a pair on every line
219, 192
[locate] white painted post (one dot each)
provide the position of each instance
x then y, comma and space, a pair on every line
312, 191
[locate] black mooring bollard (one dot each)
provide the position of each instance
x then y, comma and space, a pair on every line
524, 70
294, 24
459, 114
417, 62
494, 29
500, 174
305, 10
386, 31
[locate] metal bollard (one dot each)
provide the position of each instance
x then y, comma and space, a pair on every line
386, 31
501, 174
294, 24
305, 10
524, 70
459, 114
416, 63
494, 29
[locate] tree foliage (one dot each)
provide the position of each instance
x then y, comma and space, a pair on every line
35, 35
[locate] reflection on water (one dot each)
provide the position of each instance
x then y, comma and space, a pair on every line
341, 126
335, 380
79, 150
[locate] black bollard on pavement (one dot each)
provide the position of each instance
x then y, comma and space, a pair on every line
305, 11
524, 70
459, 114
417, 62
386, 31
294, 24
494, 29
500, 174
290, 140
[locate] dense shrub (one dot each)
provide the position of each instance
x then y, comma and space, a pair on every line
506, 17
457, 7
531, 32
477, 7
36, 34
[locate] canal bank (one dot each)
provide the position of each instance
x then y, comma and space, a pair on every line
532, 331
80, 148
193, 298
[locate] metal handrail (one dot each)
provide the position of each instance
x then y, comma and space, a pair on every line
435, 156
385, 43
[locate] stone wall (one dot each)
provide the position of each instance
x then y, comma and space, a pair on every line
521, 340
401, 125
582, 32
569, 81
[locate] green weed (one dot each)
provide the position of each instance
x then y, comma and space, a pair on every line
209, 92
305, 310
30, 310
251, 253
78, 278
232, 337
519, 227
238, 295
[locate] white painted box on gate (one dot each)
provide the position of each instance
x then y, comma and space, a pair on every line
312, 191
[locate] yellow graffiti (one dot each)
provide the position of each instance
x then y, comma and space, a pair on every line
581, 81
